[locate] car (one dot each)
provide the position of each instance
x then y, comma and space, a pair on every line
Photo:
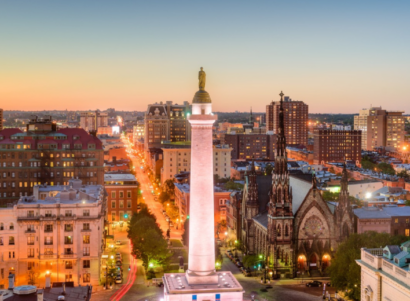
118, 242
247, 272
239, 264
118, 279
314, 283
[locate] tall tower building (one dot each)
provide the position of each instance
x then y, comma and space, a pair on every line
280, 216
380, 128
295, 115
201, 281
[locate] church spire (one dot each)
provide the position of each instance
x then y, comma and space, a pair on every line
251, 118
344, 180
281, 161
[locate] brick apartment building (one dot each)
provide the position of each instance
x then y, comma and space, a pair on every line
45, 154
247, 146
336, 146
295, 119
122, 191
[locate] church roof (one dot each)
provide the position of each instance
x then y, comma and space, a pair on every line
262, 219
264, 184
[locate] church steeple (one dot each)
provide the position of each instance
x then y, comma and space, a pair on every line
252, 185
344, 216
251, 118
281, 160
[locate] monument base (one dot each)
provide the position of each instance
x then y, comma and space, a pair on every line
177, 288
193, 278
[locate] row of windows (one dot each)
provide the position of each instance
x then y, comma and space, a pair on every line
121, 194
121, 204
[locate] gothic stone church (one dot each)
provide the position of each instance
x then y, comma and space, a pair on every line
286, 219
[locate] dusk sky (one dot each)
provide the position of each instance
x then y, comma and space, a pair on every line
337, 56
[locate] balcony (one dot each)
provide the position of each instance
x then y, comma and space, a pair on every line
68, 229
48, 243
48, 230
30, 243
30, 231
68, 256
30, 256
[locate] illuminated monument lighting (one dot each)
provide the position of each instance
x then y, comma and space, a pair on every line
201, 281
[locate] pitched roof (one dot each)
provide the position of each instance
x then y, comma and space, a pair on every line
262, 219
264, 185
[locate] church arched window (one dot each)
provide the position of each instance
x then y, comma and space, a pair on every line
286, 230
279, 230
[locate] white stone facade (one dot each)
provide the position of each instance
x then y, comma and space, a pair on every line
381, 279
59, 230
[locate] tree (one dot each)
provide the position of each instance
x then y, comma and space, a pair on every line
172, 211
367, 163
32, 277
403, 174
330, 196
344, 271
169, 187
231, 185
250, 260
386, 168
268, 169
164, 197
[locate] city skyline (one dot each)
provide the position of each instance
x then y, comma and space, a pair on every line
337, 58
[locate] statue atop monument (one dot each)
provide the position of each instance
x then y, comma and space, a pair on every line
202, 79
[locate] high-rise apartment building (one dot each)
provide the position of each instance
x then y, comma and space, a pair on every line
44, 154
295, 118
380, 128
360, 123
248, 146
87, 120
336, 146
1, 119
166, 122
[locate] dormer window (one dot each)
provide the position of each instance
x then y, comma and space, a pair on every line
66, 146
76, 137
91, 146
78, 146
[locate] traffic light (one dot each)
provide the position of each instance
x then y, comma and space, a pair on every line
187, 217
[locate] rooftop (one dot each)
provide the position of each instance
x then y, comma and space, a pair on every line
119, 177
386, 212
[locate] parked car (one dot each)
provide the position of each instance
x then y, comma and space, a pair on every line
239, 264
118, 242
118, 263
329, 284
314, 283
247, 272
118, 279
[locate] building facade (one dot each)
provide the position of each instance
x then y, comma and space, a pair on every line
1, 119
221, 198
248, 146
88, 122
177, 159
336, 146
295, 119
122, 196
59, 231
381, 128
166, 122
45, 154
295, 232
385, 273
